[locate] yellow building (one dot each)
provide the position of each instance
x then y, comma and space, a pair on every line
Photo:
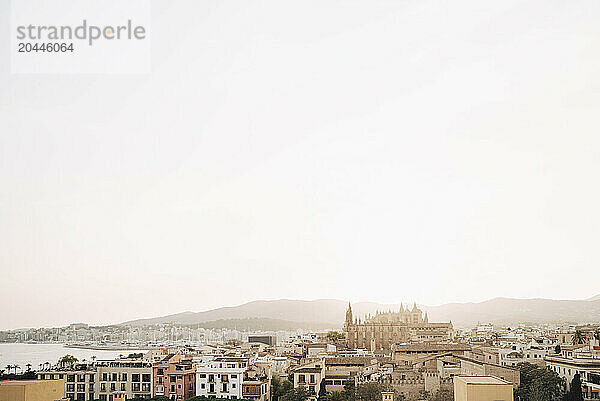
387, 396
482, 388
32, 390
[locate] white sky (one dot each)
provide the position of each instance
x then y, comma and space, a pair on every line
363, 150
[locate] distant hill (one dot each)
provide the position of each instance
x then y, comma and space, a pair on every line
331, 313
328, 311
262, 324
511, 311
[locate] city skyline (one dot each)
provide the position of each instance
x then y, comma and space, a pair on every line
375, 306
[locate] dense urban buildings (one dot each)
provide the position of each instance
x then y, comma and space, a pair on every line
401, 362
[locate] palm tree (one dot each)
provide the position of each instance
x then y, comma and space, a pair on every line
578, 338
67, 360
8, 368
28, 367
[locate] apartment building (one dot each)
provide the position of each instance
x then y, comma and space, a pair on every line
257, 382
309, 375
174, 377
256, 389
222, 377
80, 381
130, 377
586, 362
339, 370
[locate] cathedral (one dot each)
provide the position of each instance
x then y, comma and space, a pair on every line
383, 329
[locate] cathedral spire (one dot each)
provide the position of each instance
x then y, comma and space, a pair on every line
349, 315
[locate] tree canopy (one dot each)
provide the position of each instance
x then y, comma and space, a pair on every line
539, 384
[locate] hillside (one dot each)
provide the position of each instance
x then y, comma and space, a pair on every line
331, 312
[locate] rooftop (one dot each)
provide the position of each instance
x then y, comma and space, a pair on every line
431, 347
482, 380
20, 382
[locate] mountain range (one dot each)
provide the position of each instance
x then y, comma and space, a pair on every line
286, 313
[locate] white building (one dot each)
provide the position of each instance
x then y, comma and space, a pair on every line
222, 377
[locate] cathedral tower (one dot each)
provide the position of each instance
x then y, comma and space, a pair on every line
349, 320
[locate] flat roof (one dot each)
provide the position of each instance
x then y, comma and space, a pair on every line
482, 380
17, 382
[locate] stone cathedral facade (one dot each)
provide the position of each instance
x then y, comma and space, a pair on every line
383, 329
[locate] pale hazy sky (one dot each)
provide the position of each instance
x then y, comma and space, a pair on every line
363, 150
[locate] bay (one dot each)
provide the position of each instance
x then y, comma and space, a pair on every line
36, 354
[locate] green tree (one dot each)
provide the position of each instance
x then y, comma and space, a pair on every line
349, 392
557, 349
280, 387
336, 396
322, 391
443, 394
538, 384
297, 394
575, 393
67, 360
578, 338
335, 336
